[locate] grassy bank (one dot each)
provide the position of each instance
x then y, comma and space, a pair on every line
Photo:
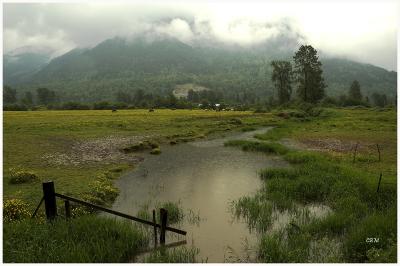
87, 239
362, 226
73, 147
83, 152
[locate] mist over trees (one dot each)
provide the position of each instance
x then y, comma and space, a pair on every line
242, 85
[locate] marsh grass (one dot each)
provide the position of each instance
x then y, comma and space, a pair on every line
272, 148
87, 239
174, 255
29, 135
175, 212
358, 210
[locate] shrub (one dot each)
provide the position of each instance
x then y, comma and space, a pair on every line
15, 107
74, 106
141, 146
102, 106
14, 210
102, 191
155, 151
21, 176
235, 121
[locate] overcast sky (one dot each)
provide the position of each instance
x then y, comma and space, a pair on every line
360, 30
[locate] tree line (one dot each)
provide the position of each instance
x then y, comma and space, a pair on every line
300, 80
306, 76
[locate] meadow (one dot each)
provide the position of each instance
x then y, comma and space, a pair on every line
336, 161
83, 152
74, 148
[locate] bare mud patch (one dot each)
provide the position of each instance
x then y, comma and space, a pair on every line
335, 145
103, 150
328, 144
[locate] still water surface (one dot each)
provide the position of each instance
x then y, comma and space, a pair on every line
204, 176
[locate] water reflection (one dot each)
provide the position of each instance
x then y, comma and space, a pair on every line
205, 177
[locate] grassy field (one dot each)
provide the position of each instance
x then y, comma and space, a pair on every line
361, 226
70, 147
82, 152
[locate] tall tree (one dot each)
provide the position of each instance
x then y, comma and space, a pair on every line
123, 97
45, 96
28, 98
355, 92
9, 95
282, 77
379, 99
309, 74
138, 97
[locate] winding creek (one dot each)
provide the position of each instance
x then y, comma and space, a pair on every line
205, 178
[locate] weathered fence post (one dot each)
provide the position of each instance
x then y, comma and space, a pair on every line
49, 200
355, 152
379, 152
67, 209
379, 183
155, 228
163, 221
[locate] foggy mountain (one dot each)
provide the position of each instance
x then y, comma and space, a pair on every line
159, 64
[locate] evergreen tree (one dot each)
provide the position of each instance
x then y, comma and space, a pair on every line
123, 97
281, 76
355, 92
28, 98
309, 74
9, 95
45, 96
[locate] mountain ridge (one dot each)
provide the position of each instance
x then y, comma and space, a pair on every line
160, 65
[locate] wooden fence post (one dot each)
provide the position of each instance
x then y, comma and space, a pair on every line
355, 152
379, 152
155, 228
67, 209
379, 183
163, 220
50, 203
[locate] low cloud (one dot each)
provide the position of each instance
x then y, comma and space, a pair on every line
361, 31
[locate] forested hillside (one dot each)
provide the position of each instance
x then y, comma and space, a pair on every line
157, 66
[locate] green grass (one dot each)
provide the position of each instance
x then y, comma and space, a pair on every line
273, 148
330, 177
30, 136
87, 239
174, 255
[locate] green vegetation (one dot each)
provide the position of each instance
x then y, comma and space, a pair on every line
75, 148
87, 239
21, 176
15, 210
175, 255
175, 212
359, 214
273, 148
157, 68
155, 151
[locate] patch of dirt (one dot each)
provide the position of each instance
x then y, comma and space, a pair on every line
335, 145
105, 150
